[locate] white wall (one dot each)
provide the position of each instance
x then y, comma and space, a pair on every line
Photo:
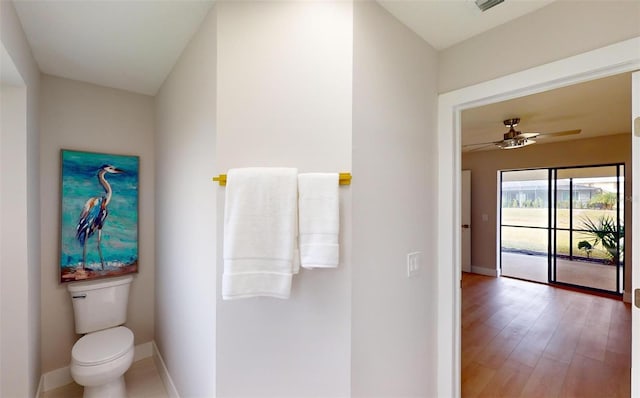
322, 86
185, 216
284, 99
2, 242
559, 30
14, 363
20, 294
81, 116
394, 209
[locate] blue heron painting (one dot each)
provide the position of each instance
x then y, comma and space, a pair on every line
99, 209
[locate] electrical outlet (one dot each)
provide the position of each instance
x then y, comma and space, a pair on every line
413, 264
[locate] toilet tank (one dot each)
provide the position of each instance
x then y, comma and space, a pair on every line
100, 304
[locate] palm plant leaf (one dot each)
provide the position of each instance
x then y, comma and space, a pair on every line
605, 231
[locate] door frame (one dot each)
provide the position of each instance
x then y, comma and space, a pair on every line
614, 59
468, 228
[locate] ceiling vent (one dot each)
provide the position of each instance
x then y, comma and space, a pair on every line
484, 5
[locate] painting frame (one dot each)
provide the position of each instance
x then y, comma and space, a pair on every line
99, 215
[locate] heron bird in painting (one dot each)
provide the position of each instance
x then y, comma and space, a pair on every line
94, 213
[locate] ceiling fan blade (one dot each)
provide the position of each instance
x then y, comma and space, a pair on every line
480, 147
560, 133
482, 143
514, 139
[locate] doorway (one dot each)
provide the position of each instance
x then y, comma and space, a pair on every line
606, 61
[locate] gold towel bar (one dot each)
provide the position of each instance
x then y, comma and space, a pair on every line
345, 179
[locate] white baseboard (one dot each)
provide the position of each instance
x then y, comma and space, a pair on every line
62, 376
142, 351
164, 373
485, 271
39, 390
56, 378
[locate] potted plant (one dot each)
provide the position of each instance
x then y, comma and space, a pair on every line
605, 232
586, 246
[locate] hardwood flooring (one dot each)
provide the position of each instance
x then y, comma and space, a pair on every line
522, 339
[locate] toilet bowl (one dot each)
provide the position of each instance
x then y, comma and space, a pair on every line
105, 351
99, 361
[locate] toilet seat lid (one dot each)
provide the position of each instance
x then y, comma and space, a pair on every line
99, 347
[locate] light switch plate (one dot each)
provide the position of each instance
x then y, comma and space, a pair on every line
414, 261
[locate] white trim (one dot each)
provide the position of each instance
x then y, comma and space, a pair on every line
62, 376
40, 387
485, 271
172, 391
635, 229
142, 351
56, 378
607, 61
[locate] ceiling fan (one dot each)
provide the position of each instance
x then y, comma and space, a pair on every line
516, 139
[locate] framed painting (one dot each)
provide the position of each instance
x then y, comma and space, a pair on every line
99, 215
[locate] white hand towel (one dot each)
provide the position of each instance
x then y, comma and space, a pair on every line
260, 219
319, 220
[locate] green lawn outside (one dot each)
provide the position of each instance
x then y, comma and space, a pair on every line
528, 239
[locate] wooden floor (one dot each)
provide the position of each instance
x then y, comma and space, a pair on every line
522, 339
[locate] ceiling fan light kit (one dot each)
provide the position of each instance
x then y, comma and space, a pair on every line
515, 143
515, 139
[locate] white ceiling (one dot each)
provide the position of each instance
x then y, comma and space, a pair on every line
130, 45
133, 45
443, 23
599, 107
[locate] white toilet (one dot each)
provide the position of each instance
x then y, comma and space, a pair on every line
100, 358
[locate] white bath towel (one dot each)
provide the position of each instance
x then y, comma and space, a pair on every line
319, 220
259, 232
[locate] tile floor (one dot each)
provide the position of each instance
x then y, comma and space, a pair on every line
142, 379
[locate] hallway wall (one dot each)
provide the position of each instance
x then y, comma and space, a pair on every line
394, 207
285, 84
284, 97
20, 213
559, 30
185, 217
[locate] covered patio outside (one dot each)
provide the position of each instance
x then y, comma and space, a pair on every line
583, 273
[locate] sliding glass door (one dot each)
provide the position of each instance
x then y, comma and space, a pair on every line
588, 227
564, 226
524, 226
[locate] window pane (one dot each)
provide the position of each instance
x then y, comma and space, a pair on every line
524, 253
525, 198
562, 209
562, 243
525, 240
